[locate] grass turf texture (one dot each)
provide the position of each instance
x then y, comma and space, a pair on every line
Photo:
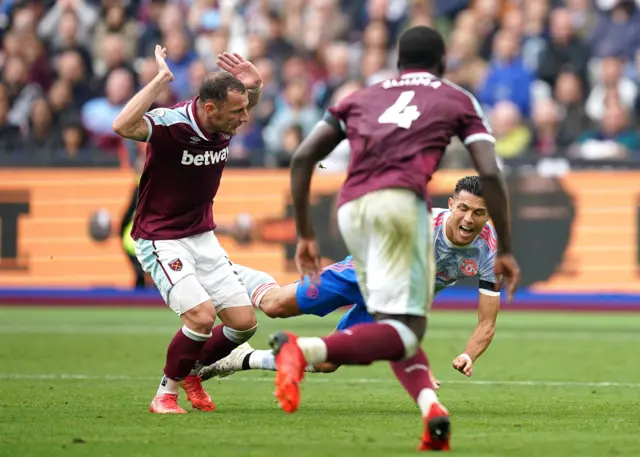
77, 382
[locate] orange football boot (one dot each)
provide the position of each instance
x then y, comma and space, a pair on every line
290, 364
166, 404
437, 432
196, 394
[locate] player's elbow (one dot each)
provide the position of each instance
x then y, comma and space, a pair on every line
122, 127
119, 126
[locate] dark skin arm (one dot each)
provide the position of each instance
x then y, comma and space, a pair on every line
318, 145
494, 192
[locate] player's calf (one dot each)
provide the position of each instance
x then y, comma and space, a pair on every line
280, 302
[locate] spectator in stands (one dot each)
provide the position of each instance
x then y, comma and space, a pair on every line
42, 136
87, 17
98, 114
20, 93
617, 32
494, 49
546, 126
583, 17
68, 38
507, 77
297, 109
613, 139
612, 83
464, 65
485, 22
535, 18
262, 113
324, 23
512, 135
151, 33
373, 66
564, 51
278, 47
74, 146
179, 58
291, 139
336, 58
40, 72
115, 22
9, 133
60, 101
112, 57
71, 70
574, 120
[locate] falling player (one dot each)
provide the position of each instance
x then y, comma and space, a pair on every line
187, 148
465, 246
398, 131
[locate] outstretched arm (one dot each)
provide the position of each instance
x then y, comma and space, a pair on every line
488, 307
130, 122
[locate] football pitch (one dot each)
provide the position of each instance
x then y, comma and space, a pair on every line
78, 382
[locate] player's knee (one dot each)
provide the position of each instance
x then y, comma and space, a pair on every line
200, 318
240, 336
408, 337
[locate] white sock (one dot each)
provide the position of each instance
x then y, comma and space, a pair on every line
257, 283
168, 386
265, 360
262, 360
314, 350
426, 398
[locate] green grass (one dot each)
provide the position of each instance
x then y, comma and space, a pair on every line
77, 382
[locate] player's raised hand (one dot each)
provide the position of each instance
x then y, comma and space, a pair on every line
464, 365
161, 57
308, 259
507, 267
242, 69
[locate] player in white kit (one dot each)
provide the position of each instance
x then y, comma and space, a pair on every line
173, 229
465, 246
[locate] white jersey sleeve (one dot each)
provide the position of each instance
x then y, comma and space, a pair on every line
486, 264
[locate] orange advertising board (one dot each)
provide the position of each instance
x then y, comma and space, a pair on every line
44, 219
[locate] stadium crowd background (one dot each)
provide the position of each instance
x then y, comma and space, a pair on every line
557, 79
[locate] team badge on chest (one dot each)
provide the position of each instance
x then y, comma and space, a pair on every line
469, 267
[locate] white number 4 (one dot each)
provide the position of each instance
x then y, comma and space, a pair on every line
401, 113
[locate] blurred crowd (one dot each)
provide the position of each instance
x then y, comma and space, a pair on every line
557, 78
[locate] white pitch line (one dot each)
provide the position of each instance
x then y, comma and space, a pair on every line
317, 380
435, 334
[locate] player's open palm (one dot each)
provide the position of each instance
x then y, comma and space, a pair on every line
242, 69
308, 259
507, 268
161, 60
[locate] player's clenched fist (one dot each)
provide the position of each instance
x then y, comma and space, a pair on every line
463, 364
163, 68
